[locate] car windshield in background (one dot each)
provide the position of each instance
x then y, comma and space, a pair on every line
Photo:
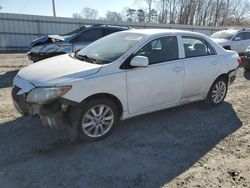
223, 34
111, 47
67, 35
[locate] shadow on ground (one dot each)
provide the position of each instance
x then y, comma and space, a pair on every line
147, 151
6, 79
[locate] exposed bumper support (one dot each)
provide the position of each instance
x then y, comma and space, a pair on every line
53, 114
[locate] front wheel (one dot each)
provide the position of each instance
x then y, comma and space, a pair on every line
217, 92
98, 119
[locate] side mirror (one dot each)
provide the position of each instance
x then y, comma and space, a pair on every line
237, 38
139, 61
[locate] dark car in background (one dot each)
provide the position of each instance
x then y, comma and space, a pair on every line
246, 59
52, 45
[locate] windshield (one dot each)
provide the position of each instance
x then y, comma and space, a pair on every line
67, 35
111, 47
224, 34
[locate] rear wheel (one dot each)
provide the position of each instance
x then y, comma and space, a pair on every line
98, 119
217, 92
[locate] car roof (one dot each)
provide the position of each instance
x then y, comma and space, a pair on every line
161, 31
111, 26
235, 30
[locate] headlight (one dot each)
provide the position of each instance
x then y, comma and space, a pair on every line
44, 95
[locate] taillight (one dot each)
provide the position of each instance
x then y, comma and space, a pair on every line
239, 61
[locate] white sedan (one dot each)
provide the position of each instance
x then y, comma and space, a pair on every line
123, 75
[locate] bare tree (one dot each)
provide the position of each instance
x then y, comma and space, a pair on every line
225, 17
163, 13
113, 16
89, 13
149, 11
140, 15
131, 15
193, 12
206, 9
239, 9
76, 15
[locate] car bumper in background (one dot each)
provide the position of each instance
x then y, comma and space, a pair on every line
246, 62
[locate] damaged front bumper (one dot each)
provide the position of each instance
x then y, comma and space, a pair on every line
52, 114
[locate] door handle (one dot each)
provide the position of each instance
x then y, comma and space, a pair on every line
178, 69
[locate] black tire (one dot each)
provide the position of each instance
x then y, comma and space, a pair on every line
85, 107
210, 99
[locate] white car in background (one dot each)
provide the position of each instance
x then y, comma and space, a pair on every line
236, 40
123, 75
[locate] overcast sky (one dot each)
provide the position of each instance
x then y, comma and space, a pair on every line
65, 8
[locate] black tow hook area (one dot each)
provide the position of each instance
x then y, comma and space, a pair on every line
52, 115
50, 108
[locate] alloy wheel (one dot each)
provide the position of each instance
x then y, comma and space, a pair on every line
97, 121
219, 92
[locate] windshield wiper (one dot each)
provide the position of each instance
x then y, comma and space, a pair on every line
86, 58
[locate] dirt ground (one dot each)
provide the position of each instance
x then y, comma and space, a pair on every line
188, 146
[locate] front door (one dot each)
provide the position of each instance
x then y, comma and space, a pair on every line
160, 83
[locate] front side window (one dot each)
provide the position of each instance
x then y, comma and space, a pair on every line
160, 50
239, 36
195, 47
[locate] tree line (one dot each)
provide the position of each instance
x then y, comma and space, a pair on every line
193, 12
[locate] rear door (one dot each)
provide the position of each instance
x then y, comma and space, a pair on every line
201, 67
241, 44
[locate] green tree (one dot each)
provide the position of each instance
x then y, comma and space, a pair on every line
130, 15
140, 15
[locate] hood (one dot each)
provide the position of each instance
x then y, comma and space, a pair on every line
221, 41
46, 39
55, 70
56, 37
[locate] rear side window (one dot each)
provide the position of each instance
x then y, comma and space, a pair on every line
89, 35
196, 47
160, 50
247, 35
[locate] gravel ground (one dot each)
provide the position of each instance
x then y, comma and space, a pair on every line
188, 146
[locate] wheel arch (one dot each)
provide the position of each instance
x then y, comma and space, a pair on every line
107, 96
221, 76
